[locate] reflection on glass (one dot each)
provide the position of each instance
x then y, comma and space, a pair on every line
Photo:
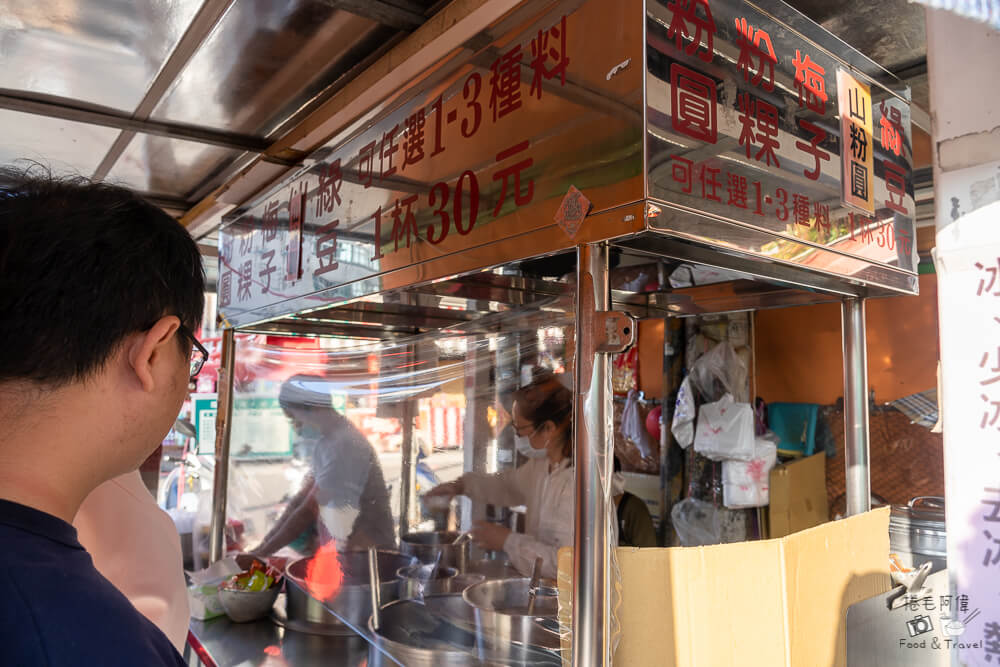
343, 444
343, 498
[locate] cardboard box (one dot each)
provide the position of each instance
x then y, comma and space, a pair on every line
773, 603
798, 496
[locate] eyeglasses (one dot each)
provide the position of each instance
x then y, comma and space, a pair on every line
520, 430
199, 355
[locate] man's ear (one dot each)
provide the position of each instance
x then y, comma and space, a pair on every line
149, 346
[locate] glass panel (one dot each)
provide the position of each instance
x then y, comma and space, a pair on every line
105, 52
259, 64
61, 145
339, 445
168, 166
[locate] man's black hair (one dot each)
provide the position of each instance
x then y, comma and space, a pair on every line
82, 266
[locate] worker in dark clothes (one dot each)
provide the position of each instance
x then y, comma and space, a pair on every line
635, 526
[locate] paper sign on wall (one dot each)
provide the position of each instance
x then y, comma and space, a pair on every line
855, 99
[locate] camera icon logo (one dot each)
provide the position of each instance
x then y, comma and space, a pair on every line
919, 625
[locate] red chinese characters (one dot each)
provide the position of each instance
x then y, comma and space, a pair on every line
891, 125
366, 164
549, 46
812, 148
245, 281
226, 289
757, 54
737, 190
404, 223
331, 177
386, 152
505, 83
810, 83
800, 210
512, 173
821, 213
413, 138
895, 183
988, 279
693, 103
269, 221
681, 170
992, 369
759, 121
326, 248
710, 183
692, 19
266, 272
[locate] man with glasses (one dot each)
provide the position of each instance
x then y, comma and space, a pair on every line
100, 292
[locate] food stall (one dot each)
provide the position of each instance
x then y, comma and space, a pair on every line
495, 199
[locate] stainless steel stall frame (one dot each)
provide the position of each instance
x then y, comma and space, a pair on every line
609, 128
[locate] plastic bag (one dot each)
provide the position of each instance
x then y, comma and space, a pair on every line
725, 430
719, 371
684, 413
634, 427
747, 483
697, 523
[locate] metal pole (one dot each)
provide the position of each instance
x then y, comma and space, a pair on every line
859, 494
592, 432
408, 479
223, 428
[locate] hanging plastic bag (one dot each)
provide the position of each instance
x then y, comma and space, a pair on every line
684, 413
634, 427
719, 371
747, 483
725, 430
697, 523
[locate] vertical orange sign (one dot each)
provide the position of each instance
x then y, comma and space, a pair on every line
856, 143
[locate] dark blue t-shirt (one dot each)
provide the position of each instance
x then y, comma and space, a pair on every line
56, 609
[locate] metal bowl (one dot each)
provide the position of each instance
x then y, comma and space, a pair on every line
501, 607
415, 581
492, 569
245, 606
425, 546
411, 634
348, 609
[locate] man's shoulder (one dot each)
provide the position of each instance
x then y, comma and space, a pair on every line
56, 609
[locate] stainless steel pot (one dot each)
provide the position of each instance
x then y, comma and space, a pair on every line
347, 611
917, 533
412, 635
426, 546
441, 630
502, 617
415, 581
492, 569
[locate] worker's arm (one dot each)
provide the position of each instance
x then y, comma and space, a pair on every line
299, 515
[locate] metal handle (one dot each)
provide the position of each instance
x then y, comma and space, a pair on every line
930, 502
373, 579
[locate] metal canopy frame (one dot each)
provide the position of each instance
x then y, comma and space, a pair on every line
395, 19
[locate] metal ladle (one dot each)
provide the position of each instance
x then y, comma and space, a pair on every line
536, 577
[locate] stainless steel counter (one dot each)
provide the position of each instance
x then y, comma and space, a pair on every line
265, 644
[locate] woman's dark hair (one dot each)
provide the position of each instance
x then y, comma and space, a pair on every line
544, 399
82, 266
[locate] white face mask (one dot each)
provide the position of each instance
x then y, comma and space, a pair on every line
617, 484
524, 447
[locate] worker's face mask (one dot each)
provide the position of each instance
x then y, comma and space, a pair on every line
524, 447
308, 432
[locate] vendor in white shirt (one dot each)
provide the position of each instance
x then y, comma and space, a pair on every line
542, 413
